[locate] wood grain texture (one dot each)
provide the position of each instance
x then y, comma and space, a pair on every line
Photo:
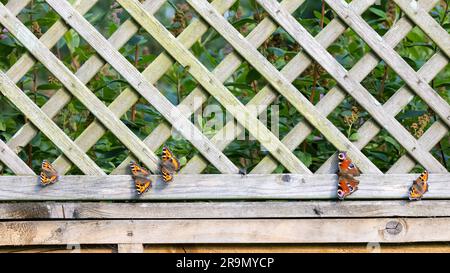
218, 187
46, 125
282, 85
352, 86
224, 210
13, 161
141, 85
379, 230
393, 59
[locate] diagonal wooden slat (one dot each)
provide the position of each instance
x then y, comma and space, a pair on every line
13, 161
46, 125
291, 71
393, 106
95, 105
222, 71
400, 66
353, 87
359, 71
140, 84
427, 24
78, 89
284, 87
49, 38
214, 86
428, 140
88, 70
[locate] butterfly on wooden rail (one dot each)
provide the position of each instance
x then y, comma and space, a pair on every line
419, 187
346, 166
141, 177
48, 174
347, 184
169, 165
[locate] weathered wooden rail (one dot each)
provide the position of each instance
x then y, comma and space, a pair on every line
57, 219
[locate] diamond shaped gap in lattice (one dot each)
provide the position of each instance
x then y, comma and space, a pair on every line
39, 84
245, 82
108, 152
279, 48
348, 49
313, 16
382, 15
383, 150
416, 48
416, 117
382, 82
72, 50
38, 16
177, 83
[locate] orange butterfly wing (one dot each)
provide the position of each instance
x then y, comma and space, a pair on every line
169, 160
346, 186
169, 165
166, 175
346, 166
419, 187
141, 178
48, 174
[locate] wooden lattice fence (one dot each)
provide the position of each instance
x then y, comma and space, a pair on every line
297, 221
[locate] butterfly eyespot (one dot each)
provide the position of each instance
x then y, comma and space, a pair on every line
351, 166
341, 156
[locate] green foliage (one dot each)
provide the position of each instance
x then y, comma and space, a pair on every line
141, 50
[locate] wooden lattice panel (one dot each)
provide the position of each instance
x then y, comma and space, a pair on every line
261, 183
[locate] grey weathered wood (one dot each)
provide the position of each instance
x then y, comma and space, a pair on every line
225, 231
140, 84
353, 87
369, 129
86, 72
222, 71
292, 70
215, 87
217, 187
46, 125
426, 23
78, 89
283, 86
428, 140
13, 161
224, 210
359, 71
393, 59
32, 210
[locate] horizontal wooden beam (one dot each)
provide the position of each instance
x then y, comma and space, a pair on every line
223, 210
217, 187
379, 230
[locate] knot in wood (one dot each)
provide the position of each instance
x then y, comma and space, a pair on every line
394, 227
286, 178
